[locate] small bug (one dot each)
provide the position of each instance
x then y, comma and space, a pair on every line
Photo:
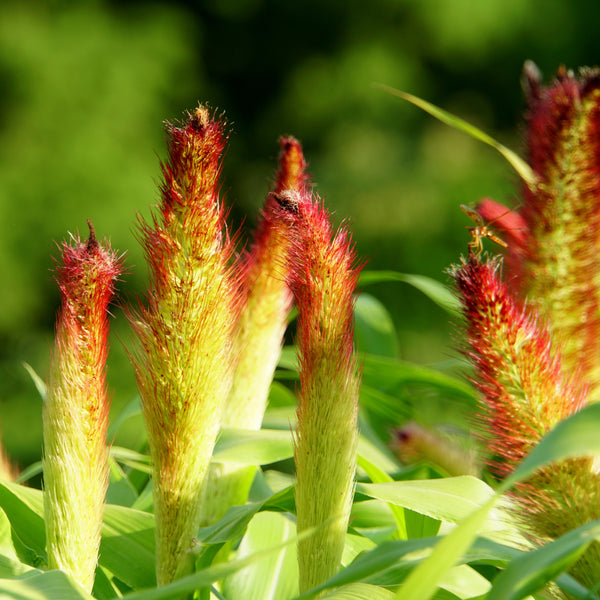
480, 231
288, 202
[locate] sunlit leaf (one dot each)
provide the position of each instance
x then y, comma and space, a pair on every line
275, 577
434, 290
359, 591
423, 581
519, 165
246, 447
530, 572
575, 436
450, 499
53, 585
374, 328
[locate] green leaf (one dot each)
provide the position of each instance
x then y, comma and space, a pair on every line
280, 396
378, 458
382, 371
359, 591
132, 410
39, 383
10, 563
378, 476
576, 436
53, 585
232, 526
127, 545
24, 508
531, 571
434, 290
205, 577
275, 577
131, 458
382, 404
31, 471
374, 328
246, 447
375, 563
450, 499
519, 165
289, 358
423, 581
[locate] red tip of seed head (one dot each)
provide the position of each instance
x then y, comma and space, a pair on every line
200, 119
92, 243
292, 166
531, 80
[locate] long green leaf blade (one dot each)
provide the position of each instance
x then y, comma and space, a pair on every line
53, 585
519, 165
423, 581
575, 436
528, 573
433, 289
451, 499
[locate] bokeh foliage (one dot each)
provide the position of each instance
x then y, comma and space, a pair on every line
84, 88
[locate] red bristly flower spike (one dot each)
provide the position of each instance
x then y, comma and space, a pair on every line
525, 394
76, 409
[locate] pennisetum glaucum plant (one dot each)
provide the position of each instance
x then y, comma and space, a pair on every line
185, 334
264, 309
532, 338
323, 274
209, 333
76, 408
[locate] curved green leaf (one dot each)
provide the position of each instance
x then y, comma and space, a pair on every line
373, 327
53, 585
246, 447
423, 581
450, 499
433, 289
359, 591
382, 371
518, 164
528, 573
275, 577
573, 437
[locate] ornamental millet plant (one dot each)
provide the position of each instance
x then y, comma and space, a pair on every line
264, 309
526, 393
554, 238
323, 276
536, 366
76, 407
184, 362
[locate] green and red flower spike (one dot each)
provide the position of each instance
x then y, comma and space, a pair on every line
184, 362
554, 260
76, 408
525, 394
323, 278
266, 304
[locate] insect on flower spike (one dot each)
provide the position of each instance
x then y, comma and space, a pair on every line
480, 231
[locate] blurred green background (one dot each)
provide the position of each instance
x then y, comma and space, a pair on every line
84, 88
